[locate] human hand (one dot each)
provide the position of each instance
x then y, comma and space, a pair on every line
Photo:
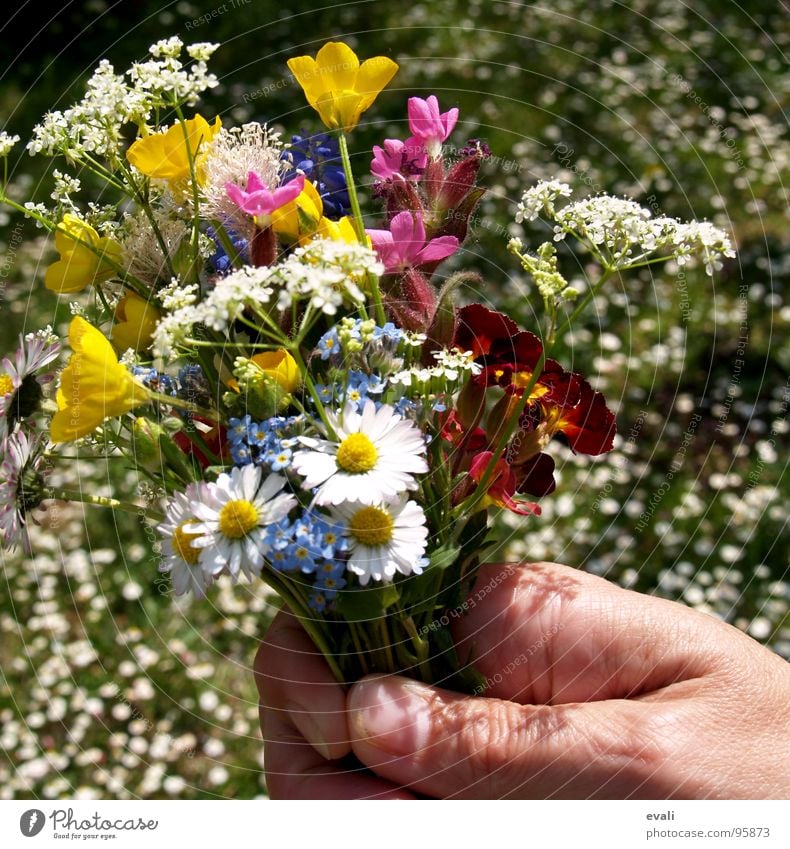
596, 692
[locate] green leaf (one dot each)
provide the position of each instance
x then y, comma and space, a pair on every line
444, 556
366, 603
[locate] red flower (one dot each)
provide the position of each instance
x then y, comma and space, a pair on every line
502, 485
213, 435
588, 425
478, 328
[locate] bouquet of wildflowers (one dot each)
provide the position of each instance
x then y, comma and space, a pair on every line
307, 399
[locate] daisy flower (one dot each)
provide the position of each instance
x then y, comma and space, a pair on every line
20, 384
233, 518
21, 484
384, 538
180, 556
375, 458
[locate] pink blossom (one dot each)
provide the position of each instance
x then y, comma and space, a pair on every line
258, 200
429, 127
396, 160
403, 245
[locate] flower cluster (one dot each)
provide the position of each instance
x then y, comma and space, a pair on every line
315, 408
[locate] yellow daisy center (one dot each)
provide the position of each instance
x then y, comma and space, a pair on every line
237, 518
371, 526
357, 453
182, 543
6, 385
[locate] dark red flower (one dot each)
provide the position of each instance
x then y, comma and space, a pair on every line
479, 328
502, 485
213, 435
589, 425
535, 476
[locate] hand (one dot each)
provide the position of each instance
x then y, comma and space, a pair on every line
595, 692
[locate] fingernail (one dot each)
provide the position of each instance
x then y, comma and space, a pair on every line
391, 713
309, 728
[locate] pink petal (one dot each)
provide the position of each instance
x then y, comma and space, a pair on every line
385, 248
254, 183
387, 161
437, 249
449, 120
421, 118
285, 194
408, 233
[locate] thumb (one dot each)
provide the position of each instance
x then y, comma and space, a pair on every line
444, 744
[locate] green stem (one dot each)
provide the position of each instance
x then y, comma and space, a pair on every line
592, 292
102, 501
359, 225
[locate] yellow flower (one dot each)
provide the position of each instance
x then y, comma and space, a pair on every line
298, 219
340, 231
281, 367
165, 156
93, 386
80, 265
136, 320
337, 86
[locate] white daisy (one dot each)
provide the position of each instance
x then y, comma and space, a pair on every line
384, 539
180, 557
377, 454
21, 484
231, 520
20, 385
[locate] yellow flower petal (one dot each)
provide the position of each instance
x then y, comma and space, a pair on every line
281, 367
298, 219
338, 66
374, 75
85, 257
93, 386
136, 320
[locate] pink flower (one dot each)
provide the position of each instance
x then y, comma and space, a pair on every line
403, 245
429, 127
258, 200
396, 161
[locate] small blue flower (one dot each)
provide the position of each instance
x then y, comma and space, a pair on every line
220, 262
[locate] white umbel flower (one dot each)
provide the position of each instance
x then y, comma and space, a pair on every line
180, 557
232, 519
384, 539
375, 457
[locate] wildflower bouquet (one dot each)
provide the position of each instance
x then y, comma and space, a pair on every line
307, 400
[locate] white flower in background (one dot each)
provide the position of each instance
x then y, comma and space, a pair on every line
375, 457
384, 538
233, 154
232, 519
21, 484
180, 558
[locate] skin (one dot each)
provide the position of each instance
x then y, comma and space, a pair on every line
596, 692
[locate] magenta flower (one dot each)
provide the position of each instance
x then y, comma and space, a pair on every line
403, 245
259, 201
397, 161
429, 127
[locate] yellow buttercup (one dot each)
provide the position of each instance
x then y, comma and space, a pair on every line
85, 257
337, 86
136, 320
166, 156
94, 386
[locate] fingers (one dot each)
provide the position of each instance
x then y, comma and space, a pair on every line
293, 678
546, 634
447, 745
304, 723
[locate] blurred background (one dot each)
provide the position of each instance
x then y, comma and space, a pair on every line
109, 687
